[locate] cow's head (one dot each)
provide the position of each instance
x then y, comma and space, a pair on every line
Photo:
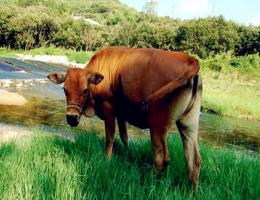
77, 84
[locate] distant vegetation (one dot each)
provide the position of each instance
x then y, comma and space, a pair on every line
27, 24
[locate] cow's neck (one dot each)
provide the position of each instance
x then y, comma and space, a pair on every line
107, 66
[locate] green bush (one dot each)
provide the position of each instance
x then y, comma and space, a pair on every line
70, 34
145, 34
249, 40
249, 64
206, 37
26, 28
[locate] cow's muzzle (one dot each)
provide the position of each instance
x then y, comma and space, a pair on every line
73, 119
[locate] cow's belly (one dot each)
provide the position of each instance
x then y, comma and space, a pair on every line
170, 107
136, 117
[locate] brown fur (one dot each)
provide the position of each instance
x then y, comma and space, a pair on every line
163, 80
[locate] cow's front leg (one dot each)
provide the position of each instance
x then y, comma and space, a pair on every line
109, 117
122, 130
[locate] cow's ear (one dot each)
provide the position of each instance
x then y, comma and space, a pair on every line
56, 77
96, 78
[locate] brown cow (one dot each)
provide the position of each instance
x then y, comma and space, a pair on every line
149, 88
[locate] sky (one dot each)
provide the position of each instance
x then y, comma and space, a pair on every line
241, 11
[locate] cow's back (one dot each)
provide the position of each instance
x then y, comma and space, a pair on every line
142, 71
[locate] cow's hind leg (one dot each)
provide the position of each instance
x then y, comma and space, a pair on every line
188, 127
160, 121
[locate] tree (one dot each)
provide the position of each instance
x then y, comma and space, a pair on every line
150, 7
95, 38
249, 40
206, 37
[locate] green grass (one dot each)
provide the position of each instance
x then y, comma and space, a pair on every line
49, 167
237, 98
4, 52
77, 56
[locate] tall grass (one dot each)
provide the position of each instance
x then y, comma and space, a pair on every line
233, 98
49, 167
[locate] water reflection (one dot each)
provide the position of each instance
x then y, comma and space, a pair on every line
46, 105
227, 131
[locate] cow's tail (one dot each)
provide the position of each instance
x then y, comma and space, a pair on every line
195, 83
180, 81
183, 79
196, 90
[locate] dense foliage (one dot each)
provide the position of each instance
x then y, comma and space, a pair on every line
26, 24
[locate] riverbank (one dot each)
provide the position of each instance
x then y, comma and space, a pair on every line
228, 97
231, 86
52, 167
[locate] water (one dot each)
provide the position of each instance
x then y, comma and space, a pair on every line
46, 105
11, 68
230, 132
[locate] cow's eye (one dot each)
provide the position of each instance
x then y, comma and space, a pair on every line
65, 91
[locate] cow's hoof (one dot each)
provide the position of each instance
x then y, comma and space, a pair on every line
195, 187
159, 168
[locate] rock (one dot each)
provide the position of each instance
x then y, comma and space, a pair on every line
6, 85
10, 98
19, 85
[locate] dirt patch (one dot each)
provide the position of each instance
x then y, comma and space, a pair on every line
11, 132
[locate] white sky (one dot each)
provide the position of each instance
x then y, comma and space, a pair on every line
241, 11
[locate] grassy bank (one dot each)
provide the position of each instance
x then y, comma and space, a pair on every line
78, 56
48, 167
231, 98
231, 86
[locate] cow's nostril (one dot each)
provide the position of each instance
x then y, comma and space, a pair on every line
73, 119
